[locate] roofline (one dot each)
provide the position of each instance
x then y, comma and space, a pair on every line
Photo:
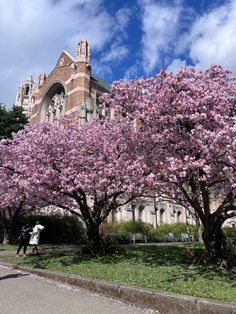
69, 55
101, 82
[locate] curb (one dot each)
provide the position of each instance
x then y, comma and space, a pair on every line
163, 302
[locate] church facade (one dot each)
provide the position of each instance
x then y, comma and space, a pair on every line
71, 89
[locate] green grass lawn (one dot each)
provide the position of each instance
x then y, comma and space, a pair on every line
161, 268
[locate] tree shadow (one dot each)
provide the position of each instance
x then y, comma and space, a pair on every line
164, 256
13, 276
152, 256
149, 256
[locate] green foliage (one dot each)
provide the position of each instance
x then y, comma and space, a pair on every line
117, 238
3, 113
230, 233
58, 229
134, 227
11, 121
230, 252
176, 229
120, 233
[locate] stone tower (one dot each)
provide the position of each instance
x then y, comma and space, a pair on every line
25, 94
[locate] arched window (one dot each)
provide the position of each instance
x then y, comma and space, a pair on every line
140, 212
53, 105
178, 215
162, 211
114, 215
27, 90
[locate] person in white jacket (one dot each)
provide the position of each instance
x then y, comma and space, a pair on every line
35, 236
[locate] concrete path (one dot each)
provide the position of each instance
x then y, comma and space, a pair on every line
25, 293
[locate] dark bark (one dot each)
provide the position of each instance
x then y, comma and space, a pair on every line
199, 229
9, 219
5, 236
214, 237
94, 238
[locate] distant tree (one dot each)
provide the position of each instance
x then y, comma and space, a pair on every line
15, 120
187, 132
3, 115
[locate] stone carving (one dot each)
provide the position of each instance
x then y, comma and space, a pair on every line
61, 62
56, 107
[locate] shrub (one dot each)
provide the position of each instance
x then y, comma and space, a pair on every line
127, 228
134, 227
117, 238
176, 229
230, 233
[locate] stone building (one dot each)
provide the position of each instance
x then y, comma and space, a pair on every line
69, 89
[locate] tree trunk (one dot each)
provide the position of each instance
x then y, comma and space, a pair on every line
199, 230
9, 227
95, 242
5, 236
214, 239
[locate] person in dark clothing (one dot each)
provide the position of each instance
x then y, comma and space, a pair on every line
24, 239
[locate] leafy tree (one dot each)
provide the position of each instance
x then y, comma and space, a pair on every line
187, 132
11, 121
88, 171
3, 113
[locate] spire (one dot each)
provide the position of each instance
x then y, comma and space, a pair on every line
41, 78
83, 52
29, 80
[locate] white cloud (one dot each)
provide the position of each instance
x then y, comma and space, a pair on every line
211, 39
132, 73
116, 53
123, 16
176, 65
160, 27
33, 33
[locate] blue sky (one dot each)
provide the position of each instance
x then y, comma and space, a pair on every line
129, 39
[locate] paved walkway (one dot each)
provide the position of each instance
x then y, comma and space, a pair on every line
25, 293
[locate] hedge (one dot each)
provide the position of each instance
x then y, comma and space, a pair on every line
58, 229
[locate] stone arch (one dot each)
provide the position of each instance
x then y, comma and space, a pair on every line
140, 212
179, 213
162, 211
53, 103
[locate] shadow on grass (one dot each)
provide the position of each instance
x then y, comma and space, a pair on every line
179, 265
174, 257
